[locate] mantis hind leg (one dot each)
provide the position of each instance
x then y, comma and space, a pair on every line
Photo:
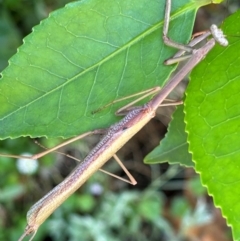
131, 178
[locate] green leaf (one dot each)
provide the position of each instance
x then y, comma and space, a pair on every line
213, 115
174, 147
81, 58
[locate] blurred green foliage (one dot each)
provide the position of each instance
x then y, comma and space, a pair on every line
16, 21
100, 210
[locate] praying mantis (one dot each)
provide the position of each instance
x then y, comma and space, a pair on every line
118, 134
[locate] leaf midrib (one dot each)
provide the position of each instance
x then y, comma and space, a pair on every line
186, 8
